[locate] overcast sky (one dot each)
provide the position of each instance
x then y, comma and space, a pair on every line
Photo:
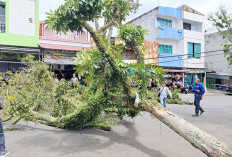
203, 6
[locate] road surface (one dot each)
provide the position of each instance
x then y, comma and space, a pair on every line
146, 138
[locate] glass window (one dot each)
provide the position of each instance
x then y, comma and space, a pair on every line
187, 26
165, 49
164, 23
2, 18
194, 50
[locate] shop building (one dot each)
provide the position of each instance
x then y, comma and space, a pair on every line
218, 69
58, 49
180, 34
19, 32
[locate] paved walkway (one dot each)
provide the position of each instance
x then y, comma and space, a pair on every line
146, 138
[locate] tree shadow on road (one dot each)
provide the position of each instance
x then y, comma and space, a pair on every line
64, 142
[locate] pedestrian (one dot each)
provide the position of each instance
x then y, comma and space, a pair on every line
150, 84
163, 94
199, 91
74, 80
6, 79
3, 151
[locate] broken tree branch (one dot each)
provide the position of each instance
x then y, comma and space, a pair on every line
203, 141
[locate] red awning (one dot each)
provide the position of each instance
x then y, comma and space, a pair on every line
175, 70
61, 47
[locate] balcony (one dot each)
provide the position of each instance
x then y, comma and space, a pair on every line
168, 11
170, 60
193, 35
170, 33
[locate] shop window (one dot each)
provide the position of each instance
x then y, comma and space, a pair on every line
2, 17
165, 49
164, 23
194, 50
187, 26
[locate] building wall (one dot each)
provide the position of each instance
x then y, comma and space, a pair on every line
73, 37
194, 37
180, 47
22, 23
193, 17
216, 61
148, 21
151, 53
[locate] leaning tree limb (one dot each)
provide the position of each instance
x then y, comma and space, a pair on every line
203, 141
112, 22
101, 46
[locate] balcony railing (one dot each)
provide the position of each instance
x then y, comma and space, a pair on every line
172, 12
170, 33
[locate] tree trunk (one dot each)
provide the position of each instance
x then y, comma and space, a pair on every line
207, 143
110, 34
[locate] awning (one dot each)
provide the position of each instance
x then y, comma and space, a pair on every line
2, 3
196, 71
175, 70
219, 76
61, 47
19, 49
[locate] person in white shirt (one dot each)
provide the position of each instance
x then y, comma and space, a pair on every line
74, 80
163, 94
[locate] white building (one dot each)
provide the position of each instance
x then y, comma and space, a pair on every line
218, 69
180, 34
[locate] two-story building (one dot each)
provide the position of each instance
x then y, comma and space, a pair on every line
19, 31
180, 34
59, 48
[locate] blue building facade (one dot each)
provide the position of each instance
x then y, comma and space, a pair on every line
168, 11
170, 60
170, 33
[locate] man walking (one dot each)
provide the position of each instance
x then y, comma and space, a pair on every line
163, 94
199, 91
3, 151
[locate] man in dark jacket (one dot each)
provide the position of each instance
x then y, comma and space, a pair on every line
199, 91
3, 151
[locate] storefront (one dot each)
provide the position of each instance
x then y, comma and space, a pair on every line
214, 79
10, 57
193, 74
175, 76
61, 61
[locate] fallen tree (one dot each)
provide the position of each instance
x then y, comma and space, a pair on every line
106, 74
203, 141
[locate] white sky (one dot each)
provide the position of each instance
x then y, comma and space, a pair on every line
203, 6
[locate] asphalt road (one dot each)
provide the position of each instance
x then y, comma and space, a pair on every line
146, 138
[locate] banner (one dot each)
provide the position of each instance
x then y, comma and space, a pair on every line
58, 59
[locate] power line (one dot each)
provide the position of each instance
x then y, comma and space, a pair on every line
189, 58
206, 52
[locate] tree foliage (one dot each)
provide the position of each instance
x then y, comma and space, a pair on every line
223, 22
132, 34
34, 96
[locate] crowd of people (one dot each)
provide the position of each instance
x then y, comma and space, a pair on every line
74, 80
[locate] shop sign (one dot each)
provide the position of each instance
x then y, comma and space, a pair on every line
58, 59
